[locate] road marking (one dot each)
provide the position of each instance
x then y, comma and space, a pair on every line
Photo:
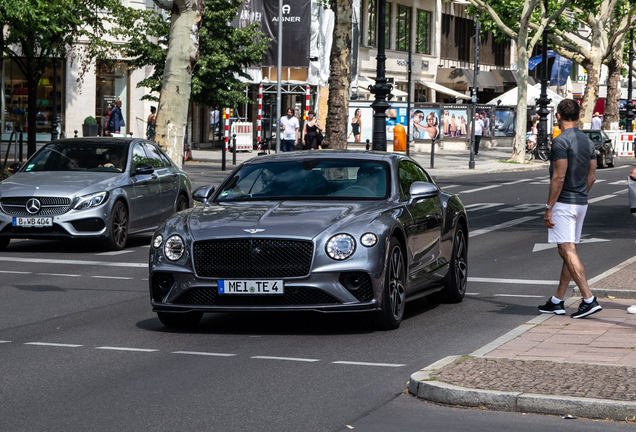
522, 208
601, 198
481, 206
620, 182
73, 262
513, 281
517, 181
622, 191
126, 349
471, 293
58, 274
53, 344
285, 358
121, 252
112, 277
14, 272
368, 364
479, 189
544, 246
501, 226
518, 295
204, 353
449, 186
5, 341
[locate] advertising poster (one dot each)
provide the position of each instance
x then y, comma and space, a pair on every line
455, 121
426, 123
503, 122
394, 116
486, 115
360, 121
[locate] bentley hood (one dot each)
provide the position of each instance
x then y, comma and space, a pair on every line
296, 219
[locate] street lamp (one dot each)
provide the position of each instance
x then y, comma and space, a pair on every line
630, 104
542, 135
471, 162
381, 89
54, 116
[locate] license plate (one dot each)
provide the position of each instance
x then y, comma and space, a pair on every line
250, 287
33, 222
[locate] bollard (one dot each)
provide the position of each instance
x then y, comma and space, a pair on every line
21, 144
367, 145
75, 133
399, 138
223, 151
234, 149
432, 154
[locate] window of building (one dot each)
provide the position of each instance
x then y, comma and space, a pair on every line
403, 28
372, 8
111, 85
423, 37
16, 94
387, 27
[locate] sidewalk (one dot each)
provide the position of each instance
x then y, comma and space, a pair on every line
551, 364
445, 163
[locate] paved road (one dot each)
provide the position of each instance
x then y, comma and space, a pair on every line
81, 349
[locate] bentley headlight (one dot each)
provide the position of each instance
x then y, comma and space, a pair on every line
174, 248
341, 247
91, 200
368, 239
157, 241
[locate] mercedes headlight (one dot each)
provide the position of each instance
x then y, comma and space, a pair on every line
340, 247
174, 248
91, 200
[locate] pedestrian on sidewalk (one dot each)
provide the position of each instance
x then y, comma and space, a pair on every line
214, 122
152, 121
289, 126
572, 174
478, 124
116, 119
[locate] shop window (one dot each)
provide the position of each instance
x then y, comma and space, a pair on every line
423, 39
403, 28
111, 85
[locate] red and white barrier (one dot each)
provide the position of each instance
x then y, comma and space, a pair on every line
306, 102
625, 144
260, 113
226, 117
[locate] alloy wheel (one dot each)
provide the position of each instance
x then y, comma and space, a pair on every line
461, 264
396, 283
120, 225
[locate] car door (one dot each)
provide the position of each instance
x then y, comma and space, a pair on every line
168, 177
422, 224
146, 193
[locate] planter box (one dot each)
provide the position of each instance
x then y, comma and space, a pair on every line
89, 130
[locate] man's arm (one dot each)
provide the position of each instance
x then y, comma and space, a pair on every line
559, 168
591, 171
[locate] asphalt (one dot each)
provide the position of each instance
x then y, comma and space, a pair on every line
551, 364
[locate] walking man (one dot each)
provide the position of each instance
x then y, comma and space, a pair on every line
289, 125
116, 120
572, 169
478, 124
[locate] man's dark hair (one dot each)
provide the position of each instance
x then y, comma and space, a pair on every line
568, 109
292, 110
153, 109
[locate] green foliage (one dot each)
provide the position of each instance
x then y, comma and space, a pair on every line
223, 52
90, 120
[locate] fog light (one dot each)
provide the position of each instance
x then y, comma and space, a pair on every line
368, 239
161, 285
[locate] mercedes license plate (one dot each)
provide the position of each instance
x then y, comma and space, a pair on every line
250, 287
33, 222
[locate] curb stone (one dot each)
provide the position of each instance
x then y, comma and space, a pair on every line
423, 387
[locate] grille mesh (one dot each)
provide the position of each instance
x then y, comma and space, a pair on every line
294, 296
50, 205
365, 291
253, 258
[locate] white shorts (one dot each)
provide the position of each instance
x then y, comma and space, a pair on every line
568, 223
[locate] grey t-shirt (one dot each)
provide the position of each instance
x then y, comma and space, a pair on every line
578, 149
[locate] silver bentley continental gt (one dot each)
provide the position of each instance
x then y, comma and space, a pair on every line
327, 231
104, 188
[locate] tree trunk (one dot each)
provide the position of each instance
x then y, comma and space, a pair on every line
611, 116
519, 145
591, 92
183, 52
339, 77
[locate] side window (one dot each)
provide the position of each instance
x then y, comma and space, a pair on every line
139, 155
408, 174
166, 160
155, 158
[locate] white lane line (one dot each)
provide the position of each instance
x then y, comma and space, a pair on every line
471, 294
601, 198
5, 341
126, 349
368, 364
622, 191
479, 189
121, 252
518, 295
58, 274
73, 262
449, 186
501, 226
285, 358
204, 353
620, 182
481, 206
513, 281
517, 181
112, 277
14, 272
53, 344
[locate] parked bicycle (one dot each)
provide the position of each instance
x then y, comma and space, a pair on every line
539, 151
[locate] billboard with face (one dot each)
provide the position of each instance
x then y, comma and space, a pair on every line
426, 123
455, 120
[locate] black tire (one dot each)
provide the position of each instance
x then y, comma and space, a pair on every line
180, 320
394, 290
457, 277
118, 235
600, 162
182, 203
611, 163
543, 152
4, 242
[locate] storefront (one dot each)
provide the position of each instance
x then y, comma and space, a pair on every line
111, 80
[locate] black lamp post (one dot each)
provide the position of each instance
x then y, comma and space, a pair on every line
471, 162
630, 104
381, 89
54, 119
542, 135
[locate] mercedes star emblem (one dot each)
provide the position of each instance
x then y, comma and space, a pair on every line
33, 206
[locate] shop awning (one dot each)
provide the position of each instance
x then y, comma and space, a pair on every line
444, 90
462, 79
